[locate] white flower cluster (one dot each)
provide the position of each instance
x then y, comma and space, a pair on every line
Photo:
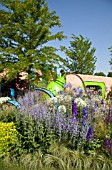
4, 99
52, 101
62, 109
67, 98
80, 102
60, 98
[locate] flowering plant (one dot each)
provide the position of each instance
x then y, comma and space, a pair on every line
70, 117
8, 137
4, 99
80, 102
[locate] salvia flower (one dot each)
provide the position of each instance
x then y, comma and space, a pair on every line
85, 113
78, 92
83, 122
102, 101
84, 116
90, 134
99, 91
74, 109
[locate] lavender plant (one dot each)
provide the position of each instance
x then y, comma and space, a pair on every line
65, 116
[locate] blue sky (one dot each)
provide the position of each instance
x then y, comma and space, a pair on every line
90, 18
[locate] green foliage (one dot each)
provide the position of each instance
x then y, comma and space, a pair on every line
100, 74
7, 112
109, 74
8, 137
25, 28
58, 157
8, 164
62, 157
110, 49
41, 146
81, 57
32, 134
110, 61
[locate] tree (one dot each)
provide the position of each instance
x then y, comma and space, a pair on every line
100, 74
25, 29
81, 57
111, 55
109, 74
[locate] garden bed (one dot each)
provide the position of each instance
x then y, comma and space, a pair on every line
70, 131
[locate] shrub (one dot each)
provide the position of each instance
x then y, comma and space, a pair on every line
8, 137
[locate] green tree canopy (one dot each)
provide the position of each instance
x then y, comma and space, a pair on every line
81, 57
25, 29
109, 74
100, 74
111, 55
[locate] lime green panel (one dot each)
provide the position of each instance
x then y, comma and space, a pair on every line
56, 86
101, 85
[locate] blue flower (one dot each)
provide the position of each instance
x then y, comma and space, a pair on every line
85, 113
83, 122
66, 85
84, 116
102, 101
74, 109
90, 134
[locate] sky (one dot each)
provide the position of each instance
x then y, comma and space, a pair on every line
90, 18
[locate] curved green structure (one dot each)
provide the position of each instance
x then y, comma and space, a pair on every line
95, 86
56, 86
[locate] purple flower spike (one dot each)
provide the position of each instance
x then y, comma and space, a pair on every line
80, 90
102, 101
74, 109
84, 116
85, 113
84, 123
109, 117
90, 134
75, 119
